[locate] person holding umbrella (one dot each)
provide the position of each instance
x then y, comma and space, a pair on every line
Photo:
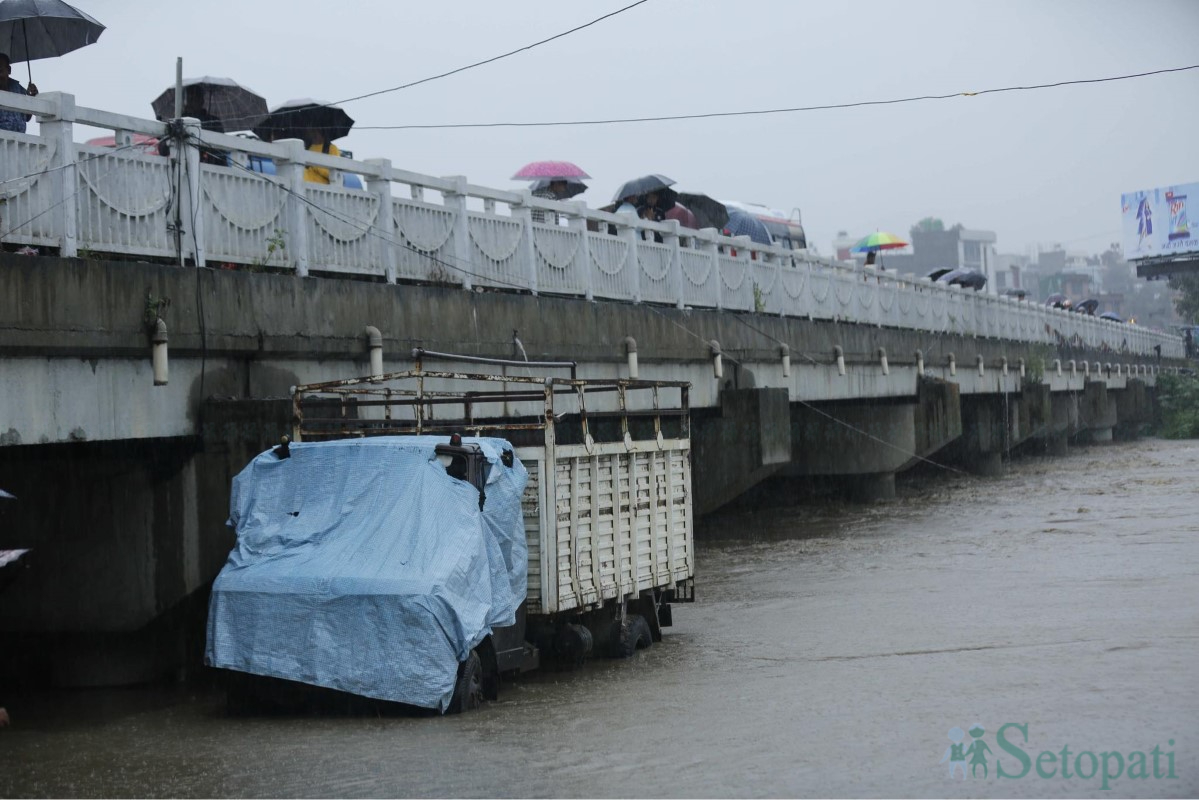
13, 120
34, 29
313, 121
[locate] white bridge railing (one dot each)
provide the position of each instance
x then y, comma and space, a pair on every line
404, 226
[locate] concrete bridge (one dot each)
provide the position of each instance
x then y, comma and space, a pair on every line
803, 369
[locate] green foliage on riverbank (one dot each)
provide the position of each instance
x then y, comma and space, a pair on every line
1178, 398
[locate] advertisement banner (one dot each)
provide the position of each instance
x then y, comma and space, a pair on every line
1154, 223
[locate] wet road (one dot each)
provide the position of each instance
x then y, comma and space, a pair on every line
829, 656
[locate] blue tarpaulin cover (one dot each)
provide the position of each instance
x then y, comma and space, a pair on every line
361, 565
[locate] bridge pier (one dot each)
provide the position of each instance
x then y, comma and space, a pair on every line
1134, 409
125, 539
1097, 413
746, 440
863, 446
986, 434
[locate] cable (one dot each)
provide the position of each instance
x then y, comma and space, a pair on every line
199, 301
869, 435
92, 157
371, 230
496, 58
461, 69
53, 206
759, 112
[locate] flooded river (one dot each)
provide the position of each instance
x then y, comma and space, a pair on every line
834, 651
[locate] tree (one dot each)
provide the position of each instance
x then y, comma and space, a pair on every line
926, 225
1187, 303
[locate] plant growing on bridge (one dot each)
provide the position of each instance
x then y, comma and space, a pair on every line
153, 310
1035, 363
759, 299
1178, 398
276, 245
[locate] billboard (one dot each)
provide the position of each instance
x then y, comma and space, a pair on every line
1154, 223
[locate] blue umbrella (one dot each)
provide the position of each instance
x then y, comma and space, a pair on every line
1112, 315
744, 224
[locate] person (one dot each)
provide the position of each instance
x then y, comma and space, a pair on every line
870, 259
314, 140
13, 120
553, 190
1188, 337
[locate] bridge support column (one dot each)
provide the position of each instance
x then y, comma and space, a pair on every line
986, 434
1133, 409
863, 445
1057, 444
1097, 412
746, 441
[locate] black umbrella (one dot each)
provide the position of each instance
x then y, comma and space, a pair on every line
33, 29
937, 274
1087, 306
573, 186
642, 185
1057, 301
228, 105
291, 119
966, 278
708, 213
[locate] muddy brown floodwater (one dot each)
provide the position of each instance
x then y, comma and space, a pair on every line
831, 653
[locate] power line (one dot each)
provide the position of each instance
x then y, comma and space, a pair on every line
5, 233
496, 58
92, 157
761, 112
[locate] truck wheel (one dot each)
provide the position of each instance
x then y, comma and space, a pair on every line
468, 691
634, 635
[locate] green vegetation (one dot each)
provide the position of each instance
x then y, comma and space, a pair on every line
276, 246
1178, 398
1187, 303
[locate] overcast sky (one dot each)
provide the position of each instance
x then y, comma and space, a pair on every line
1040, 166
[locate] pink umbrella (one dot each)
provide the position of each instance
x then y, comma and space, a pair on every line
140, 142
683, 215
550, 170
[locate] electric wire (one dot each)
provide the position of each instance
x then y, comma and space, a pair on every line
9, 231
767, 111
493, 59
199, 301
61, 167
457, 70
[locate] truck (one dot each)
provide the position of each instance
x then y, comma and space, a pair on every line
423, 535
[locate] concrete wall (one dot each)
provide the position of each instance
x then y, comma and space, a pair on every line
75, 353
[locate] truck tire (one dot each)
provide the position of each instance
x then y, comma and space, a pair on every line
634, 635
468, 690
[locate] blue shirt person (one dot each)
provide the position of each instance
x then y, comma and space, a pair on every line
12, 120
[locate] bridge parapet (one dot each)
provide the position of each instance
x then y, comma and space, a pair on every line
408, 227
